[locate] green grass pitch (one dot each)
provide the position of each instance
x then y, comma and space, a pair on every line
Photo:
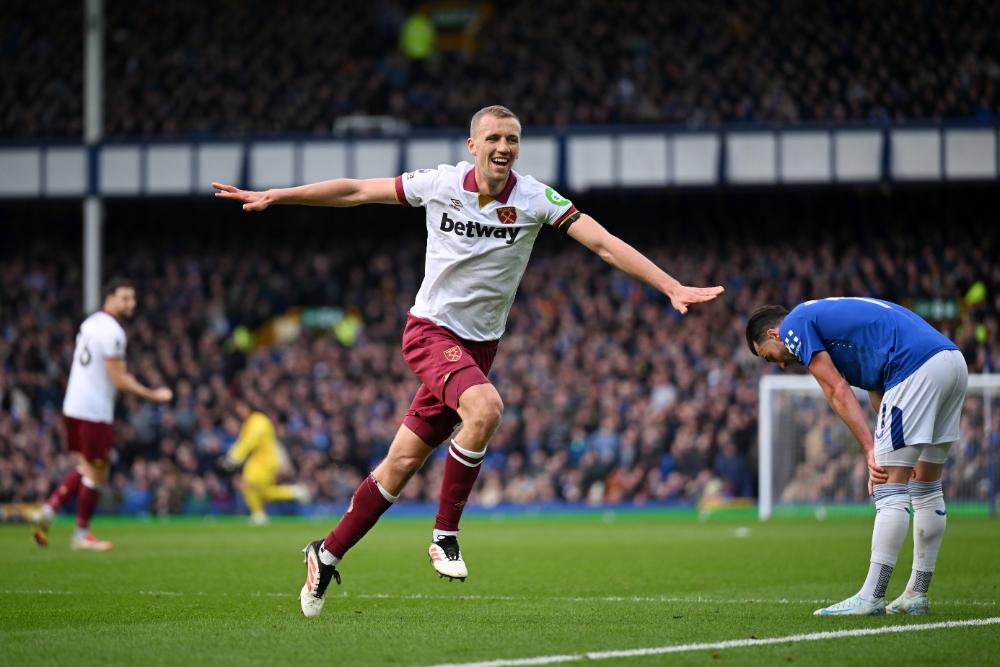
195, 592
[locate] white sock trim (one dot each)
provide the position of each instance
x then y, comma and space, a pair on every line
326, 557
443, 533
463, 461
476, 456
468, 453
385, 494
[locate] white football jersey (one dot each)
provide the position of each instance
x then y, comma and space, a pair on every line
477, 246
90, 394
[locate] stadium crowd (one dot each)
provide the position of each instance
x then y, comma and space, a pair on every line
611, 397
219, 68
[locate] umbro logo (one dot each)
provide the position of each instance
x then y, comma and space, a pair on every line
456, 204
941, 513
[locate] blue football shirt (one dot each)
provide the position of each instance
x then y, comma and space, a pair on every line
874, 344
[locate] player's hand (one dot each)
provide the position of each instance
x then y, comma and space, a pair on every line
876, 473
683, 296
161, 395
226, 464
252, 200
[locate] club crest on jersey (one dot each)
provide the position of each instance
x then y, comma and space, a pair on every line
507, 215
453, 353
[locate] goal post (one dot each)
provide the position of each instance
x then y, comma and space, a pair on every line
807, 456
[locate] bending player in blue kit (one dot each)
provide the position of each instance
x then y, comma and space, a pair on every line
916, 379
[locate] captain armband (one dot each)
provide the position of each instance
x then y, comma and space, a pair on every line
564, 227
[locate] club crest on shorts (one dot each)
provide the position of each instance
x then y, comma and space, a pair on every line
453, 353
507, 215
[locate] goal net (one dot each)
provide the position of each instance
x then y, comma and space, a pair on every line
807, 456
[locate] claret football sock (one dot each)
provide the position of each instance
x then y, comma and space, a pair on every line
461, 468
68, 488
90, 493
370, 501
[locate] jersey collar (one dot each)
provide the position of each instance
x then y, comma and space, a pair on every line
469, 185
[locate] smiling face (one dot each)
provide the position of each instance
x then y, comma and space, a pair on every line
495, 143
773, 350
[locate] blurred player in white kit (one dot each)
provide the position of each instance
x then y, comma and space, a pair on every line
97, 375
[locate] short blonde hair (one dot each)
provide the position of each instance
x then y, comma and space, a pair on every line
497, 110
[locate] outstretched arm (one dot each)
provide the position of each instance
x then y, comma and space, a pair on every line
339, 192
622, 256
841, 398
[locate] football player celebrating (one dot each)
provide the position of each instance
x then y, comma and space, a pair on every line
482, 220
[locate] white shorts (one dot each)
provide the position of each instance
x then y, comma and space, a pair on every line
907, 457
924, 409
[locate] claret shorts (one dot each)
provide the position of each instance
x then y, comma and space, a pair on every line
446, 365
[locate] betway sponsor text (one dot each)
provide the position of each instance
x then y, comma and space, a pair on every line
473, 229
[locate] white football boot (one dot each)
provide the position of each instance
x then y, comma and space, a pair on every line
915, 604
446, 558
40, 522
90, 543
318, 577
854, 606
302, 494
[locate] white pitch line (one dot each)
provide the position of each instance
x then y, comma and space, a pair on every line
652, 599
732, 643
657, 599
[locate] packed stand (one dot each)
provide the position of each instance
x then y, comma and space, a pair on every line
218, 68
611, 397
